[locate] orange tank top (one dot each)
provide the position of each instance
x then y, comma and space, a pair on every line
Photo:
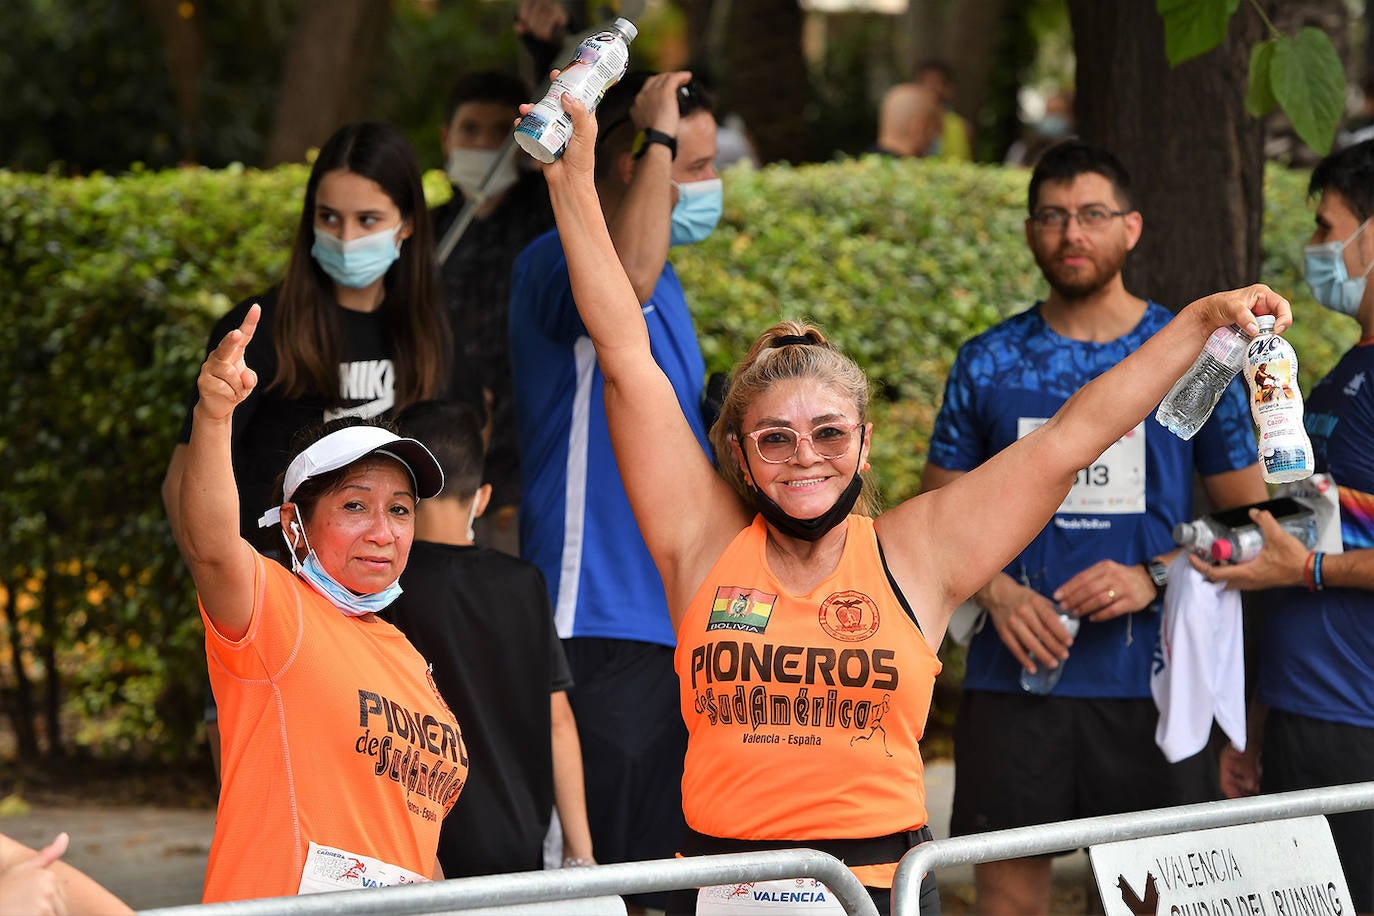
804, 712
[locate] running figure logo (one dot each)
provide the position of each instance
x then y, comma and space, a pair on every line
875, 724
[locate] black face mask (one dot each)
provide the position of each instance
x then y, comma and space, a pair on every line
808, 529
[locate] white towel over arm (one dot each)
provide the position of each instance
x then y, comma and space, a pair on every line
1199, 665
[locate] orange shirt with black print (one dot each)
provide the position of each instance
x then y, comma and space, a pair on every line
804, 712
332, 732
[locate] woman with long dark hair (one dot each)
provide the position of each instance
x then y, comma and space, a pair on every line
356, 327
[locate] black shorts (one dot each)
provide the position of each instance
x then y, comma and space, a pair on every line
1305, 753
629, 719
1021, 759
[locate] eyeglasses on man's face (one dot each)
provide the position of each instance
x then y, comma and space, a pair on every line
778, 444
1090, 219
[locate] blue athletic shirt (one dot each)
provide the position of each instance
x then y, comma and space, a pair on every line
1317, 650
575, 519
1020, 371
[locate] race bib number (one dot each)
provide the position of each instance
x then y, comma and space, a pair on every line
787, 895
1114, 484
330, 869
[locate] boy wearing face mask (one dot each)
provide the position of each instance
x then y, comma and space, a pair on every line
657, 186
482, 620
476, 276
1312, 723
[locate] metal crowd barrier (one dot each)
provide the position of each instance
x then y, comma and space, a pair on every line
572, 884
1069, 835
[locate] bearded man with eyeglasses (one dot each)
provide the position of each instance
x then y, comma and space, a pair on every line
1088, 746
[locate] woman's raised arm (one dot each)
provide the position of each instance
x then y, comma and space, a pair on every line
966, 531
221, 561
686, 512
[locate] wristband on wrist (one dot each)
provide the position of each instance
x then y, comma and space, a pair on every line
1309, 572
1317, 557
648, 136
578, 861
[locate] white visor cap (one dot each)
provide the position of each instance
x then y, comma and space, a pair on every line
342, 448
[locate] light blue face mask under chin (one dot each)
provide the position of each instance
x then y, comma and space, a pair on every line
342, 597
358, 262
698, 208
1326, 275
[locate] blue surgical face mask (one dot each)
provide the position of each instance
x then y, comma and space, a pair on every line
1053, 125
358, 262
342, 597
697, 210
1326, 275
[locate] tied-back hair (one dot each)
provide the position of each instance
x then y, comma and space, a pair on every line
771, 360
307, 330
1350, 173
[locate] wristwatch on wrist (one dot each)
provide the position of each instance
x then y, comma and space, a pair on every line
649, 136
1159, 574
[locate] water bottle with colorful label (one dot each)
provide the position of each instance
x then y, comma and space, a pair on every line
1271, 371
599, 62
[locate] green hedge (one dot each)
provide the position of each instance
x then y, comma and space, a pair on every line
110, 286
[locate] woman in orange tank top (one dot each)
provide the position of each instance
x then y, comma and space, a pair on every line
807, 631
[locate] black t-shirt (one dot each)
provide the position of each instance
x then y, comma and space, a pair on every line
483, 620
265, 423
477, 293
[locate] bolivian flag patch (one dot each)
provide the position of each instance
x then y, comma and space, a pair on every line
737, 608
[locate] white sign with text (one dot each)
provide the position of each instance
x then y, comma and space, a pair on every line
1272, 868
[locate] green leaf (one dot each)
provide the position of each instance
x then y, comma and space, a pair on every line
1259, 97
1193, 27
1309, 85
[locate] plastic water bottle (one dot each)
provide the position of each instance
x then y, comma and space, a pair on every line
1225, 535
597, 65
1271, 371
1244, 545
1191, 401
1044, 678
1198, 536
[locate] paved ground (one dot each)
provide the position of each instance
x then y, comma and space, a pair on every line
155, 857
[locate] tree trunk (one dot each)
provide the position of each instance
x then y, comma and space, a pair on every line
928, 25
184, 47
1195, 157
52, 677
21, 714
697, 13
765, 79
329, 65
974, 42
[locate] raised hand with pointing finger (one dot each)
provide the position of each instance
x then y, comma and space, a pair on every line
225, 379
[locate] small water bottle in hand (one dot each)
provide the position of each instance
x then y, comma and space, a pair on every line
1044, 678
1191, 401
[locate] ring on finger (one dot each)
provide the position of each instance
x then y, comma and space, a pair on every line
1111, 595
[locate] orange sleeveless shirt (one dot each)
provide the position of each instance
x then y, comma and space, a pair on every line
804, 712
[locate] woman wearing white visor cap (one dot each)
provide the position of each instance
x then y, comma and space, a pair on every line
340, 757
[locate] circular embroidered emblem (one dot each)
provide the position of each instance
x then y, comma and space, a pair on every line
849, 616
